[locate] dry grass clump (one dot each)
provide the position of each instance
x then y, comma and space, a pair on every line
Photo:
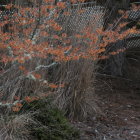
15, 82
37, 120
78, 98
15, 127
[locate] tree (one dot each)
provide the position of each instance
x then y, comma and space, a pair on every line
39, 54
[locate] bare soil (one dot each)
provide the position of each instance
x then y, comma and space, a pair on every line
121, 119
120, 103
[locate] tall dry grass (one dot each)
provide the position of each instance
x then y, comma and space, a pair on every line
16, 127
77, 98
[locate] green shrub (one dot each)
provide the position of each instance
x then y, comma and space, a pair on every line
138, 25
54, 125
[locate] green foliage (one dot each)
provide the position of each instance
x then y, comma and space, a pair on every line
54, 126
138, 25
119, 0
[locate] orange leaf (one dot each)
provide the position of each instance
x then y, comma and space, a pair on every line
53, 86
19, 105
61, 5
28, 99
8, 6
22, 68
16, 98
56, 37
64, 35
21, 61
37, 76
15, 109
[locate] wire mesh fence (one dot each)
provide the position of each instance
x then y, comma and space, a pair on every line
77, 17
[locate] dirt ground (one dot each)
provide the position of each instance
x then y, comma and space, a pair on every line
121, 108
120, 103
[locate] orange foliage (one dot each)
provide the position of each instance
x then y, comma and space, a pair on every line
50, 7
49, 1
58, 44
53, 86
9, 6
73, 1
19, 105
81, 11
64, 35
66, 13
61, 5
37, 76
21, 60
16, 109
22, 68
16, 98
29, 99
56, 37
